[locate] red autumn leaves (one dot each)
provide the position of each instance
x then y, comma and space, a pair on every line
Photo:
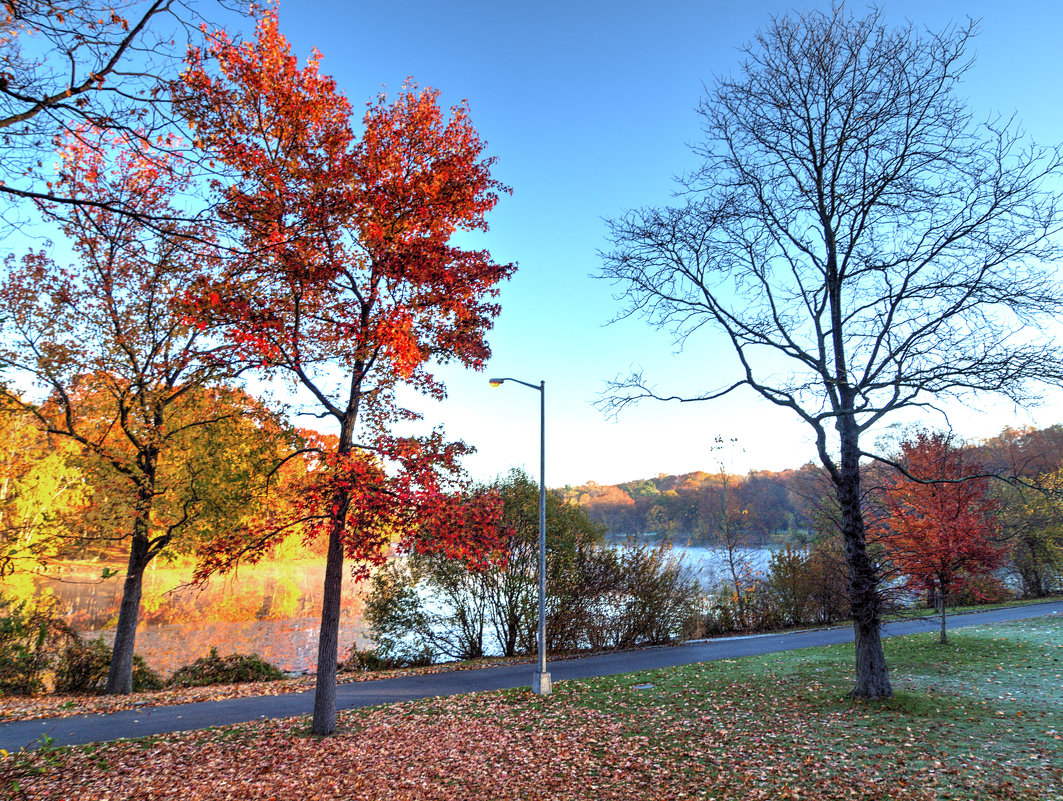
940, 524
345, 265
344, 279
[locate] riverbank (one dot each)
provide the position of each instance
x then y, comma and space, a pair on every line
981, 717
53, 705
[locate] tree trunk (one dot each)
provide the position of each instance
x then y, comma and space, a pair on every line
941, 600
872, 675
328, 638
120, 675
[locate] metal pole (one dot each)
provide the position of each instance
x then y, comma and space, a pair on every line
541, 683
542, 532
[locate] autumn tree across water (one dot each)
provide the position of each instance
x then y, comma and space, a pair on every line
39, 491
861, 244
351, 287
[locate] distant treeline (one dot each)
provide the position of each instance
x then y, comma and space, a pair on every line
764, 504
768, 506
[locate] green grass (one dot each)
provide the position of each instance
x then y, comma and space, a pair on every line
980, 717
924, 611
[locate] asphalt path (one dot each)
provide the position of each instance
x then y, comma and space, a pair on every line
150, 720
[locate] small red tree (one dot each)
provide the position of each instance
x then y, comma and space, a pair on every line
348, 283
940, 530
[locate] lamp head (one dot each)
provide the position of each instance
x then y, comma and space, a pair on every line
496, 382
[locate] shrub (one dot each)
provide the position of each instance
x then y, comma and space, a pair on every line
722, 615
399, 622
980, 590
31, 635
144, 678
651, 599
425, 606
230, 669
36, 759
790, 582
599, 597
364, 660
800, 587
808, 586
830, 583
83, 668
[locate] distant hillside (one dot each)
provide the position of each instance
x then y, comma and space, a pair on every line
695, 505
771, 506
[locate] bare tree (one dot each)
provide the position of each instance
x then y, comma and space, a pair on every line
728, 533
861, 241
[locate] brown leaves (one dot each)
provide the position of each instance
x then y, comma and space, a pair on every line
775, 727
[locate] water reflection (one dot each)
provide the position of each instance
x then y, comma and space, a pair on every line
271, 609
709, 565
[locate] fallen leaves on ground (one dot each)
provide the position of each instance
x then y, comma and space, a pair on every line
499, 746
771, 727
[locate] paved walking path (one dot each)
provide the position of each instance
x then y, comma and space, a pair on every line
163, 719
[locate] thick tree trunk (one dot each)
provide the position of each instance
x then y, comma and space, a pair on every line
872, 675
324, 721
120, 675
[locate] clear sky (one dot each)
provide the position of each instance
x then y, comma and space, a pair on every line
589, 107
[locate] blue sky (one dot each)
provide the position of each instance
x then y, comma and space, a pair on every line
589, 107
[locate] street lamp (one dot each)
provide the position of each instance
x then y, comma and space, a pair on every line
541, 684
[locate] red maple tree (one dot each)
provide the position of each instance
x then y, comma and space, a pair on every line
347, 282
940, 530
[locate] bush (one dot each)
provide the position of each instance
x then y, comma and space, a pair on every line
809, 586
598, 598
644, 596
759, 610
230, 669
720, 613
790, 583
83, 668
980, 590
365, 660
801, 587
32, 633
830, 583
144, 678
399, 623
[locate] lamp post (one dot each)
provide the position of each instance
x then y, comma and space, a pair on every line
541, 684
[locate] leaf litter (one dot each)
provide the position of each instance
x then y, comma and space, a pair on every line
772, 727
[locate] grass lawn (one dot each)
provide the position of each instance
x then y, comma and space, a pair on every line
979, 718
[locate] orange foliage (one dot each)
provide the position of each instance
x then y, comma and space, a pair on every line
346, 263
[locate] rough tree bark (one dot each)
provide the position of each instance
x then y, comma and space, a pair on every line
324, 719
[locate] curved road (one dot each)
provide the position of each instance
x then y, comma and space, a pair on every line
164, 719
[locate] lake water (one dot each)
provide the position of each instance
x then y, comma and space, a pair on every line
271, 609
709, 565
